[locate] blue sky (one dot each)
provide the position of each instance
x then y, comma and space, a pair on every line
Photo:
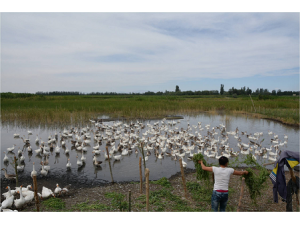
138, 52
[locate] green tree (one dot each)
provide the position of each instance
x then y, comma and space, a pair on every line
177, 89
222, 89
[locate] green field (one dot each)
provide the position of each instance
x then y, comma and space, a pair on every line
77, 109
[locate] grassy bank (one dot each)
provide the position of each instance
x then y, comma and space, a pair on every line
77, 109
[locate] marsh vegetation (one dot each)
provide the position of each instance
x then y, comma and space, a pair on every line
62, 110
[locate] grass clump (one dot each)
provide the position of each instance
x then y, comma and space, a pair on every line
163, 182
198, 192
54, 203
201, 174
118, 201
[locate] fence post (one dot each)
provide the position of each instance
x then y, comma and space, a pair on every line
129, 200
112, 179
147, 189
141, 176
183, 178
35, 193
241, 195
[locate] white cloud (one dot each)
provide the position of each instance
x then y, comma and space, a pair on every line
82, 51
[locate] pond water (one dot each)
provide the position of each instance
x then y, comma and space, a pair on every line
127, 169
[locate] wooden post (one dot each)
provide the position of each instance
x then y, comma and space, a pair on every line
35, 194
112, 179
16, 171
294, 181
147, 189
183, 178
141, 176
241, 195
129, 200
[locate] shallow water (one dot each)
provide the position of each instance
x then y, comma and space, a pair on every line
128, 168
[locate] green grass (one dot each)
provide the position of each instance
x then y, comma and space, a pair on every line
200, 193
61, 110
54, 203
86, 206
163, 182
118, 201
163, 198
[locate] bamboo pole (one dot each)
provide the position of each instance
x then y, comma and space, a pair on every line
147, 189
112, 179
35, 193
16, 171
241, 195
183, 177
141, 176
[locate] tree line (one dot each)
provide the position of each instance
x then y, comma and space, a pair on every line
231, 92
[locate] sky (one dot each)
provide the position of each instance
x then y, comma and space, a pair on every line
139, 52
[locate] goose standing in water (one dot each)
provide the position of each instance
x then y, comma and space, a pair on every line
79, 162
9, 176
5, 159
69, 164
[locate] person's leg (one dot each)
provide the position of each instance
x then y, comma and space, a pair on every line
223, 202
214, 201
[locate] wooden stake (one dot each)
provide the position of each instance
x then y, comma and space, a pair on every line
241, 195
147, 189
129, 200
35, 194
112, 179
141, 176
183, 177
16, 171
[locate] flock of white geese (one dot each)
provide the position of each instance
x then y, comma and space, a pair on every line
161, 139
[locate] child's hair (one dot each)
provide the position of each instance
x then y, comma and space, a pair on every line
223, 160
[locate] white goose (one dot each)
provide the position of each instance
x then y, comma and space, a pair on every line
11, 149
5, 159
97, 152
7, 203
33, 173
68, 164
117, 157
21, 201
97, 146
43, 171
46, 193
57, 190
79, 162
37, 140
83, 158
9, 193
